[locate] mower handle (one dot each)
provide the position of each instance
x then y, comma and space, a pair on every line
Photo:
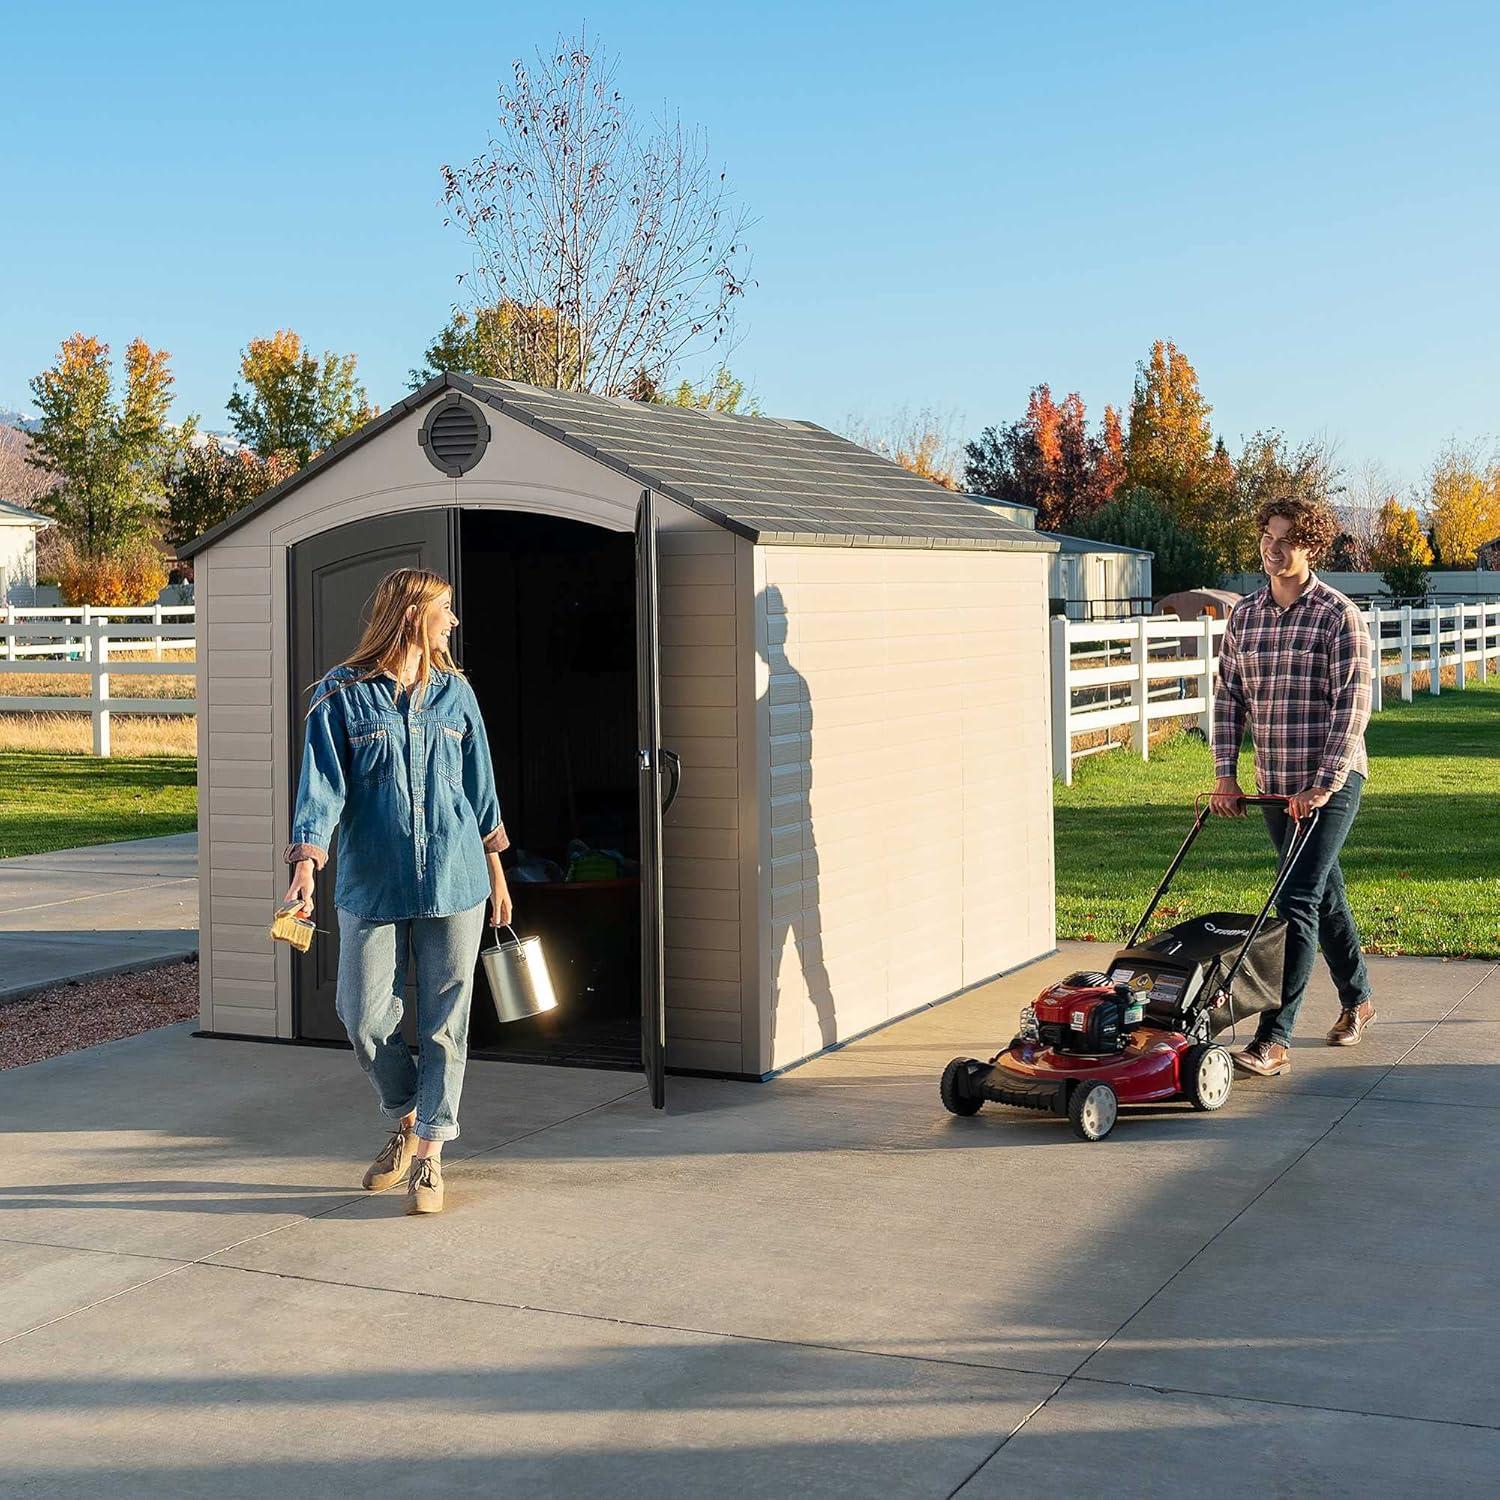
1301, 835
1258, 799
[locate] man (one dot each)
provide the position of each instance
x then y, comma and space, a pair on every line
1295, 667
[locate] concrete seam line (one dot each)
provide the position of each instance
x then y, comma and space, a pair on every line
98, 1302
989, 1458
1312, 1145
1343, 1411
94, 897
11, 1239
727, 1335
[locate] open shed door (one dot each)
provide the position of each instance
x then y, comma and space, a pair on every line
653, 761
332, 579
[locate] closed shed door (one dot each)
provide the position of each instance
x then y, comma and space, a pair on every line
332, 579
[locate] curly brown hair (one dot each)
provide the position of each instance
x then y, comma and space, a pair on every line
1314, 524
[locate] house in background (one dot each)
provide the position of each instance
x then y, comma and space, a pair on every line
19, 529
1086, 580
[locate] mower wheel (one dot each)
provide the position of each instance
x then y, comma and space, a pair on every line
1093, 1110
1207, 1076
957, 1099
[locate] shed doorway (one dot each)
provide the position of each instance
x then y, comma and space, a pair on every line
548, 625
558, 638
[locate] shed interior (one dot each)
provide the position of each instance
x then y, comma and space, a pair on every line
547, 610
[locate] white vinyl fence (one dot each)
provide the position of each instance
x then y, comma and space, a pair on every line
1106, 674
85, 641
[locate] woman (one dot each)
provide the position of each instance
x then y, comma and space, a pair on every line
396, 759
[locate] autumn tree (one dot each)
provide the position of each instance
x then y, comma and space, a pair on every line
508, 341
110, 451
1050, 460
720, 393
921, 441
293, 402
1170, 447
1400, 551
622, 227
209, 485
1463, 503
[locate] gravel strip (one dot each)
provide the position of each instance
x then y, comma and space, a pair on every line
87, 1012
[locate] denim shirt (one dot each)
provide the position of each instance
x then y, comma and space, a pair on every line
411, 791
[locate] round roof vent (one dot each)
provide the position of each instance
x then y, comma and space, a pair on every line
455, 435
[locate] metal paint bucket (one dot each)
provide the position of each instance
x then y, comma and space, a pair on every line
516, 971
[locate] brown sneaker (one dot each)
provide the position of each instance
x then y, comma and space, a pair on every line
1264, 1058
1351, 1024
390, 1166
424, 1188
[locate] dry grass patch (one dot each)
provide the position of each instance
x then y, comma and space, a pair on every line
45, 684
131, 735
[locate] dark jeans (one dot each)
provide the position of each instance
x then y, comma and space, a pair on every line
1316, 909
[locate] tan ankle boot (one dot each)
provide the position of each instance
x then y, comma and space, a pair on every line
424, 1188
390, 1166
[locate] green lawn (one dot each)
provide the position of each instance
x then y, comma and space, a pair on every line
60, 801
1422, 861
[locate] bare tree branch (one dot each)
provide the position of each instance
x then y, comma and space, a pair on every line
617, 244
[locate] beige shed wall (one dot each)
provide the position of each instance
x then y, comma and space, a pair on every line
908, 799
245, 734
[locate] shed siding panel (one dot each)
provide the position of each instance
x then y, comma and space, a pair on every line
702, 720
909, 811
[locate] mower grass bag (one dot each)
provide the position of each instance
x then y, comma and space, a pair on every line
1188, 963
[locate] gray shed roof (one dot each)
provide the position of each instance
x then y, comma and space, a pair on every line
1087, 544
770, 480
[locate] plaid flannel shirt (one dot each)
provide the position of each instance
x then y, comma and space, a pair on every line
1299, 677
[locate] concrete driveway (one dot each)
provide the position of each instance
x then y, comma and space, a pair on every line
819, 1286
79, 913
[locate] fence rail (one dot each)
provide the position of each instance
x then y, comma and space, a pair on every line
1116, 673
84, 641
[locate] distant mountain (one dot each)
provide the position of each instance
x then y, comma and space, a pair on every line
17, 419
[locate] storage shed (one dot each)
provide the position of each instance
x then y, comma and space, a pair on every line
848, 664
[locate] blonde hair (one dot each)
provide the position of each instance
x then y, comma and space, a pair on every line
397, 621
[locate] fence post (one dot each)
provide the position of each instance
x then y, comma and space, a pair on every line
85, 639
1141, 688
10, 639
156, 621
100, 677
1206, 724
1377, 678
1406, 662
1062, 703
1435, 640
1460, 672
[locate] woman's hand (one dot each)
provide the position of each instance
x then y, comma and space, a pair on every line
300, 891
500, 903
1227, 801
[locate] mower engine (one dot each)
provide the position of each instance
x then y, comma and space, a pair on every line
1083, 1014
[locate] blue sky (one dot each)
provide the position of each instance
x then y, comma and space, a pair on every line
954, 201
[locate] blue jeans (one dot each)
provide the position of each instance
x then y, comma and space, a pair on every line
1316, 908
372, 979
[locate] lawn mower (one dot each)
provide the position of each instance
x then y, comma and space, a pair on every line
1142, 1030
